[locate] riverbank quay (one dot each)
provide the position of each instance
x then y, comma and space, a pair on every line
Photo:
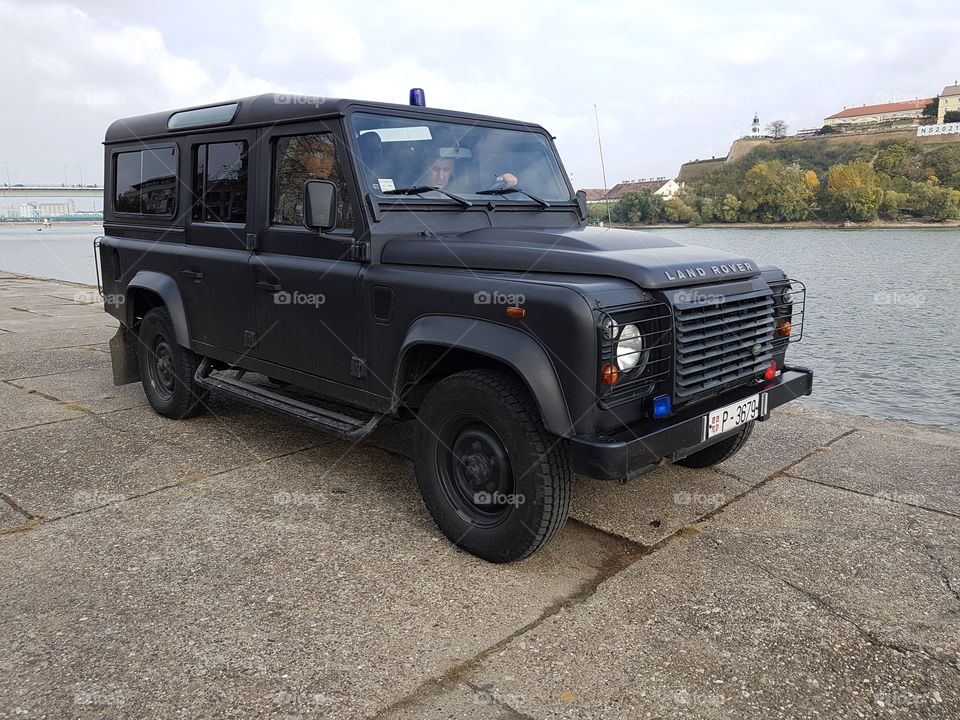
240, 565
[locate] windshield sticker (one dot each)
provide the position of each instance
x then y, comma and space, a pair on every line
386, 184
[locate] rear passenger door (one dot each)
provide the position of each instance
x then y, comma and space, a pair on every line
215, 275
306, 294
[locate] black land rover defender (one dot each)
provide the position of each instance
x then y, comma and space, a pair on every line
340, 262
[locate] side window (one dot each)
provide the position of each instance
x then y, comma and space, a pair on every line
299, 158
145, 182
220, 183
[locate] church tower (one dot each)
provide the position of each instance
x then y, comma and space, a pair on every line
755, 128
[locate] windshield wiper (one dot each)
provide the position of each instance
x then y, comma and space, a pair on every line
420, 189
508, 190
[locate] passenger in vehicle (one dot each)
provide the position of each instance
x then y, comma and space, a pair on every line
303, 158
439, 173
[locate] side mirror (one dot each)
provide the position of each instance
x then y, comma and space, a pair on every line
582, 203
320, 205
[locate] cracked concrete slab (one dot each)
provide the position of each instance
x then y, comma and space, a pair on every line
275, 590
61, 339
826, 541
93, 392
17, 364
790, 434
22, 408
655, 505
694, 631
11, 519
913, 470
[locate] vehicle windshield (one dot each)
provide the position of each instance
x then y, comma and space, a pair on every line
403, 156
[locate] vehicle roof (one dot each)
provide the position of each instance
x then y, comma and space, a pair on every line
273, 108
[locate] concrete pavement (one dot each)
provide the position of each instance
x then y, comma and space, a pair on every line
240, 565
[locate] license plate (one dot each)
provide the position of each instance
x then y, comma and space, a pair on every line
732, 416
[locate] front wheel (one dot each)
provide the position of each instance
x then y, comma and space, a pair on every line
718, 452
495, 481
167, 369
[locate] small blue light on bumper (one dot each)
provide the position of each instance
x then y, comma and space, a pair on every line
661, 406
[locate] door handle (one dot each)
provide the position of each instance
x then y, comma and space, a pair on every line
269, 287
193, 275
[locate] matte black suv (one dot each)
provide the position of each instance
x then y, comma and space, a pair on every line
340, 262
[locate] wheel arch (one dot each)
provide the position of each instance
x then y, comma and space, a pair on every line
149, 289
437, 345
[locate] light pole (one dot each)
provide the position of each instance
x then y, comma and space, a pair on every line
65, 175
80, 168
7, 166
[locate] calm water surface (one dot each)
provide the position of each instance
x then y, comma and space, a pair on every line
882, 330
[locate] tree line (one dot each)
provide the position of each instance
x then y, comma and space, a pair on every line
790, 181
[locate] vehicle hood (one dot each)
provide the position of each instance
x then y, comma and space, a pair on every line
650, 261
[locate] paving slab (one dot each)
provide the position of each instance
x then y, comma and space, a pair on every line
826, 541
96, 335
913, 470
655, 505
267, 592
25, 363
23, 407
11, 519
89, 391
35, 323
788, 436
693, 631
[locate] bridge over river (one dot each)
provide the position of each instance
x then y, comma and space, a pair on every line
56, 191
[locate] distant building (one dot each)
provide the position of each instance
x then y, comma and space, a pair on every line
866, 114
949, 100
755, 127
667, 189
595, 194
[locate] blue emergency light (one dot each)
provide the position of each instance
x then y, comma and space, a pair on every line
417, 97
661, 406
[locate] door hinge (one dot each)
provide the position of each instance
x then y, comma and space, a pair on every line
358, 367
251, 241
249, 338
359, 252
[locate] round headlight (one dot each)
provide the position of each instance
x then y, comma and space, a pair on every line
786, 295
629, 348
608, 327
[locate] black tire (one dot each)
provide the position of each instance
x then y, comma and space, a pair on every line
167, 369
495, 481
717, 453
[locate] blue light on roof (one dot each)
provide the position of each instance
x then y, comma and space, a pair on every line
417, 97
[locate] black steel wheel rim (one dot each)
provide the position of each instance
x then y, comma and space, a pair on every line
475, 471
162, 376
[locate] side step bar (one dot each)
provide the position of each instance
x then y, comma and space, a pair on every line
316, 417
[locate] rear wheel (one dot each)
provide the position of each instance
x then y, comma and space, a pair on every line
495, 481
717, 453
167, 369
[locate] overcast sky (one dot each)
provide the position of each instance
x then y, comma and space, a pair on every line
673, 81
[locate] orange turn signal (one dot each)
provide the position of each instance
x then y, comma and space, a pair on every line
609, 374
784, 328
516, 312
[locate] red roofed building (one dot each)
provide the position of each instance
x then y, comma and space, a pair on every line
910, 110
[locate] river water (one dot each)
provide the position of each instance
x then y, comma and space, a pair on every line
882, 329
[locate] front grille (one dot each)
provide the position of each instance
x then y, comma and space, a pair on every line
722, 340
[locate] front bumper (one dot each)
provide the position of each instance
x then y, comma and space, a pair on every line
636, 449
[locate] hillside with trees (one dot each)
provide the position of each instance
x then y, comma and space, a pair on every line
811, 180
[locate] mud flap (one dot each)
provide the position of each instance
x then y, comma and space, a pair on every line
123, 356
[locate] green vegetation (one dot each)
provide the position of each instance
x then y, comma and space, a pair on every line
803, 180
